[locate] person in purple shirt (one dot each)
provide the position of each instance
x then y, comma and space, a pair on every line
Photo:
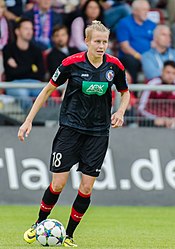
134, 34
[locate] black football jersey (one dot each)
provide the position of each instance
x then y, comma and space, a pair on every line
87, 102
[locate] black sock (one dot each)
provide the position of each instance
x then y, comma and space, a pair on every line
79, 207
49, 200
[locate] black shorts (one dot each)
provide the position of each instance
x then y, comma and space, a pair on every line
71, 147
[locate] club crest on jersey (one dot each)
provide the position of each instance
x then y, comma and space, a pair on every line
110, 75
56, 75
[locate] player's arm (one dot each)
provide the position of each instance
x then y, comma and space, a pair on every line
120, 80
117, 118
26, 127
59, 77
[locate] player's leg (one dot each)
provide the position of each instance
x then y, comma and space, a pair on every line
79, 208
92, 154
52, 194
49, 200
63, 157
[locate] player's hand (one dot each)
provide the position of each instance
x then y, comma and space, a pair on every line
117, 119
24, 130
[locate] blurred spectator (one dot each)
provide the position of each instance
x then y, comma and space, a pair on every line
23, 60
44, 19
171, 10
134, 34
61, 50
153, 59
171, 16
65, 6
91, 11
4, 34
157, 106
68, 9
114, 11
155, 3
15, 8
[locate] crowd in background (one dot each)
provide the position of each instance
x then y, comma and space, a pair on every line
36, 35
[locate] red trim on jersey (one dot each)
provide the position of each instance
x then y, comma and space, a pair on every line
122, 91
76, 216
46, 208
52, 191
75, 58
84, 195
110, 58
52, 82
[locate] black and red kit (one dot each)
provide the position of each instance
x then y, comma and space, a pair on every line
87, 102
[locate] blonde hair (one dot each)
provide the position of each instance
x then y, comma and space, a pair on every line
96, 26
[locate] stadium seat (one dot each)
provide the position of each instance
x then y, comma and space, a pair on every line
45, 54
156, 15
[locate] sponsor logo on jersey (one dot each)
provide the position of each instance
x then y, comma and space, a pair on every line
110, 75
84, 75
91, 88
56, 75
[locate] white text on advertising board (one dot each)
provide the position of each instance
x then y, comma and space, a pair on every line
36, 168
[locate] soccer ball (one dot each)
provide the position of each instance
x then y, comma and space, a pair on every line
50, 232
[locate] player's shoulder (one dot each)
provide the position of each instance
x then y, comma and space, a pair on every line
75, 58
114, 60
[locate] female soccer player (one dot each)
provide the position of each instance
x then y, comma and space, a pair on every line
85, 119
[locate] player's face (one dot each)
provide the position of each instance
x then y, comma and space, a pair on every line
168, 75
98, 43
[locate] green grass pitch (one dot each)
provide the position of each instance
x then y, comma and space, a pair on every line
102, 227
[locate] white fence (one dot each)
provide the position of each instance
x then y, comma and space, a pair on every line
11, 108
132, 87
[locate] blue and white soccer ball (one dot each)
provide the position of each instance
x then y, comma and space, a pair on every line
50, 232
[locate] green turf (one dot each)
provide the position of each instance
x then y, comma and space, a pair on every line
102, 227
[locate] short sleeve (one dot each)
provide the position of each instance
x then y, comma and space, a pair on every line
60, 76
120, 81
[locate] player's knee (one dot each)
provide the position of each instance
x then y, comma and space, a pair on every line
57, 187
86, 189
